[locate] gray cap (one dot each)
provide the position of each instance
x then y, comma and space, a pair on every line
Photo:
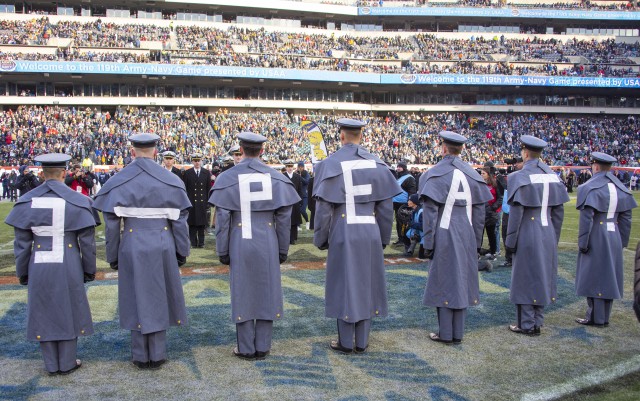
53, 160
144, 140
603, 158
453, 138
350, 123
169, 155
250, 137
533, 143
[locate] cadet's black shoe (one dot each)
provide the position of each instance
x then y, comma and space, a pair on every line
457, 341
154, 365
359, 350
535, 331
200, 246
246, 357
435, 337
66, 372
141, 365
398, 242
586, 322
260, 355
506, 263
336, 346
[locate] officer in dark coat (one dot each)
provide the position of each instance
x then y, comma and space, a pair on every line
354, 214
55, 254
296, 219
605, 225
454, 197
197, 181
536, 198
153, 206
253, 208
236, 154
168, 159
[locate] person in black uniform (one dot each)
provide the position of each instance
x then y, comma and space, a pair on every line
168, 161
296, 219
197, 181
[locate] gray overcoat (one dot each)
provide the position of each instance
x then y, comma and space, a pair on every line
254, 239
55, 245
535, 222
605, 225
453, 219
354, 215
152, 206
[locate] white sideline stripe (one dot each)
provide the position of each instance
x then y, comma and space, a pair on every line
588, 380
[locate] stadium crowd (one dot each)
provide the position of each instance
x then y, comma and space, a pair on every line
276, 49
102, 136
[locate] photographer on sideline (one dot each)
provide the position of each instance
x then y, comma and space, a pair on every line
79, 180
26, 181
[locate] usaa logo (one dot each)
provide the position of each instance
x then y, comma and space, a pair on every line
365, 10
515, 12
7, 65
408, 78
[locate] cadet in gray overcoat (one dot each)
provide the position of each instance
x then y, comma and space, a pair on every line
354, 214
453, 218
253, 213
152, 205
536, 197
55, 253
605, 225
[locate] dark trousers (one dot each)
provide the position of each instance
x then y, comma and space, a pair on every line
360, 330
312, 214
303, 208
148, 347
530, 316
451, 323
401, 236
293, 235
505, 222
599, 310
59, 355
5, 192
254, 335
491, 235
196, 235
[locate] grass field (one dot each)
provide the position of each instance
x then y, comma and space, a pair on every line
567, 360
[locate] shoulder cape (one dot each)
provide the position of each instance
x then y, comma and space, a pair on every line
150, 190
328, 183
226, 190
436, 181
589, 194
522, 191
79, 212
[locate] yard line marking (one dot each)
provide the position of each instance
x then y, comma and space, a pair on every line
588, 380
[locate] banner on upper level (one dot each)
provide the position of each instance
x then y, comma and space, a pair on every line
63, 67
499, 13
509, 80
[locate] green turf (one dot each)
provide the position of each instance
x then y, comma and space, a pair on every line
402, 364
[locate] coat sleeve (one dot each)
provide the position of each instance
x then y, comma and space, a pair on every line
223, 227
636, 283
22, 243
624, 225
180, 230
584, 227
283, 228
384, 219
430, 222
478, 213
87, 243
557, 216
322, 223
112, 235
513, 229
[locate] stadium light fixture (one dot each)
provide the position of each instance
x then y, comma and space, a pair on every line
76, 76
